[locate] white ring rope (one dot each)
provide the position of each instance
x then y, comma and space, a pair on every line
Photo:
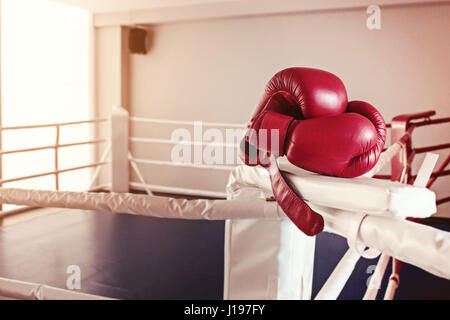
189, 123
32, 291
160, 207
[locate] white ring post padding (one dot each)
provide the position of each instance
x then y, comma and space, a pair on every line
160, 207
362, 194
295, 262
423, 246
265, 259
32, 291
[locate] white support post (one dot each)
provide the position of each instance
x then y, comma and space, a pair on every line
58, 134
120, 175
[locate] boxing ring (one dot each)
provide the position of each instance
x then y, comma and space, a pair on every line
371, 212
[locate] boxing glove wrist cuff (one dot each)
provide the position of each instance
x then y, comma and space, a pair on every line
273, 133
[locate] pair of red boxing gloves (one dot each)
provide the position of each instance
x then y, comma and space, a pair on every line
305, 115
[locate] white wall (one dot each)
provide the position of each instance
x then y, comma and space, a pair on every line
216, 70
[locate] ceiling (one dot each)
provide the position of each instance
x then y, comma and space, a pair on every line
101, 6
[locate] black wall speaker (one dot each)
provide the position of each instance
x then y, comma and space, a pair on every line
137, 41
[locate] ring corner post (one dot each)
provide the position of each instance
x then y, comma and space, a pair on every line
120, 175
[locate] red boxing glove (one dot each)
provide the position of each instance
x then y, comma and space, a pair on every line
305, 115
